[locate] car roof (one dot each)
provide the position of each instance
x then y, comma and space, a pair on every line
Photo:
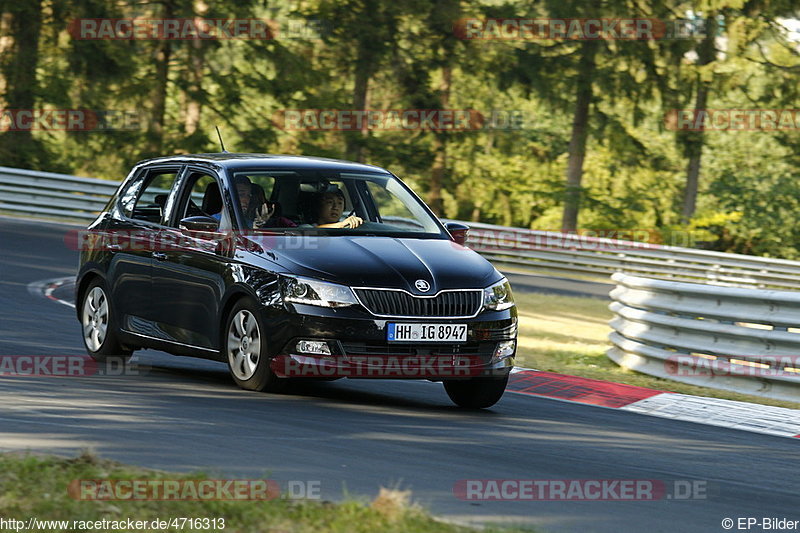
234, 161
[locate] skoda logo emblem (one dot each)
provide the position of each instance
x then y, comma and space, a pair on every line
422, 285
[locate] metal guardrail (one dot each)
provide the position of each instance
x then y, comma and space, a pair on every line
582, 254
76, 198
57, 195
738, 339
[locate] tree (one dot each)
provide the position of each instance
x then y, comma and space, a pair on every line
570, 74
18, 66
693, 141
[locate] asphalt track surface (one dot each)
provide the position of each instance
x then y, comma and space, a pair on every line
182, 414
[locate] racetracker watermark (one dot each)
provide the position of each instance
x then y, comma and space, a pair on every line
144, 240
191, 489
182, 29
732, 119
378, 366
579, 29
64, 366
172, 240
606, 240
398, 119
579, 489
183, 523
732, 366
69, 120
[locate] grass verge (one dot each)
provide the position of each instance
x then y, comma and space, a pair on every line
36, 486
569, 335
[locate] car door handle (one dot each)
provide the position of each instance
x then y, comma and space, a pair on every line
159, 256
113, 247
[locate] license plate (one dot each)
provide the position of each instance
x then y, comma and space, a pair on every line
399, 332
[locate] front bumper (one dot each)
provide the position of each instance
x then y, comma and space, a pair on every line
356, 347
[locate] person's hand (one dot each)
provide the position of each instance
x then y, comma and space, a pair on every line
350, 222
263, 214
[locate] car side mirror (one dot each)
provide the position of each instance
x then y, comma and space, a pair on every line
458, 232
199, 223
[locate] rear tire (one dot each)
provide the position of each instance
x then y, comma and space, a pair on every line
244, 347
475, 393
99, 326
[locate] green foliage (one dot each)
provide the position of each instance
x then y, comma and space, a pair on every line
401, 55
752, 204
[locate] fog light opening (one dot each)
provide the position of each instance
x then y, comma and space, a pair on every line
504, 349
313, 347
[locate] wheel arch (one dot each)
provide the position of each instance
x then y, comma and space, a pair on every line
83, 282
234, 295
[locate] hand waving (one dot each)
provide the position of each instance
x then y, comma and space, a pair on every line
263, 214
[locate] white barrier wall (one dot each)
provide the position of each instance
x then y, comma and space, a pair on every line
737, 339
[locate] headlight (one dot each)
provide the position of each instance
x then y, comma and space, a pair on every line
314, 292
498, 296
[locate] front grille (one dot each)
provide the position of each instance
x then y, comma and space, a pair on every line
383, 302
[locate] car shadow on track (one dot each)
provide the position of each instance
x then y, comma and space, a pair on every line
406, 394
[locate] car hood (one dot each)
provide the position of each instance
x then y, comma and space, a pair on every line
372, 261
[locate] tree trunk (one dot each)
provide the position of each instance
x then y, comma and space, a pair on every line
163, 53
439, 169
476, 214
195, 75
19, 71
694, 140
364, 68
193, 107
580, 130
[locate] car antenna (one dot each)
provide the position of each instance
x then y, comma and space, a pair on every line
220, 140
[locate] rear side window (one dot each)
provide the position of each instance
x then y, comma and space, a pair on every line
146, 197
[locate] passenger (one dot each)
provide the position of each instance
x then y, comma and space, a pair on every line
329, 208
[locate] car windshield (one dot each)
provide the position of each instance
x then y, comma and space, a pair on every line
322, 201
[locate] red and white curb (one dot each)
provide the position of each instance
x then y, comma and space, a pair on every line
48, 286
745, 416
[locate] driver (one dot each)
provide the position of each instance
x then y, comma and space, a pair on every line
329, 209
243, 193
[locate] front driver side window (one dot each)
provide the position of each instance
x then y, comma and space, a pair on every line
204, 198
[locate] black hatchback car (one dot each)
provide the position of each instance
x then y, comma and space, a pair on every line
289, 268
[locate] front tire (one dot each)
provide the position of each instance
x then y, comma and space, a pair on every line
245, 350
476, 393
97, 321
